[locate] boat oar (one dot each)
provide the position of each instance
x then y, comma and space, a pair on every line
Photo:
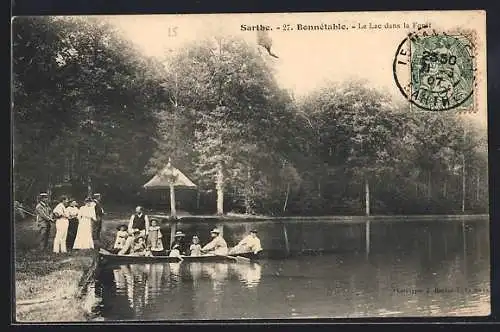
239, 259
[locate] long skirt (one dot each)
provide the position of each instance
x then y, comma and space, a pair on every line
72, 229
83, 238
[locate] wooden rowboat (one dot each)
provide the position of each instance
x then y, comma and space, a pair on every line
107, 257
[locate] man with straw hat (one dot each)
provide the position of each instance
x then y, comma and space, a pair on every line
179, 243
250, 244
217, 246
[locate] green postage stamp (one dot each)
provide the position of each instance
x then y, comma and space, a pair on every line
435, 70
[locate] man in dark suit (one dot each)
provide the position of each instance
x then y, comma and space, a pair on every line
44, 220
99, 212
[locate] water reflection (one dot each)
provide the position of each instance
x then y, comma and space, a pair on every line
175, 284
249, 275
218, 274
423, 271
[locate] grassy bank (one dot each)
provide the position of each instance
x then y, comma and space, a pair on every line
48, 285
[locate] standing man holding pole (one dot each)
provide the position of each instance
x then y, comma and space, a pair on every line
43, 220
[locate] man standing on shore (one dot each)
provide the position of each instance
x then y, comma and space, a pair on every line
62, 224
99, 212
43, 220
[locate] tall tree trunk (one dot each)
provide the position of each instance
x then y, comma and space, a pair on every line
478, 188
49, 188
429, 185
286, 196
367, 198
445, 188
220, 190
198, 199
89, 186
248, 204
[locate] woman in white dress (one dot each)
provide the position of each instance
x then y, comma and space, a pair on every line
86, 215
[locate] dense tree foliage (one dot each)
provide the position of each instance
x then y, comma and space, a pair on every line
90, 110
83, 106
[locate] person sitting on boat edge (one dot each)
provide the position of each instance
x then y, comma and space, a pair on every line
195, 247
249, 245
217, 246
179, 240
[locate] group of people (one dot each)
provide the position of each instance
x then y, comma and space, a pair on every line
144, 238
76, 227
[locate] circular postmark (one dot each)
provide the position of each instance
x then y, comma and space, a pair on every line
435, 71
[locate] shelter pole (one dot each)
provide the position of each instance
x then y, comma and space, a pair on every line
173, 212
367, 237
173, 229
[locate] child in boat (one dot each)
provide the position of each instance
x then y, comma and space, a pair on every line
155, 242
121, 238
175, 251
139, 248
195, 248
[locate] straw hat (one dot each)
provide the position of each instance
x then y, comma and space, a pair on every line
179, 234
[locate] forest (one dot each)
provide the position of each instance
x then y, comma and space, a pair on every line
92, 113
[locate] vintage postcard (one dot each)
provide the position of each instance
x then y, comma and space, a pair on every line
250, 166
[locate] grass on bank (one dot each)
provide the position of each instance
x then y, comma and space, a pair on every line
47, 285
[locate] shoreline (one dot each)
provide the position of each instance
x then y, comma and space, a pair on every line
58, 287
335, 219
49, 287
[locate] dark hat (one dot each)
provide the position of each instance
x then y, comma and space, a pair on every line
88, 199
120, 226
254, 231
179, 233
215, 230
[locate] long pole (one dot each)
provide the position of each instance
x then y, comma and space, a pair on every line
173, 212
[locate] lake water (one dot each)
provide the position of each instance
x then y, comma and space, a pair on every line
413, 269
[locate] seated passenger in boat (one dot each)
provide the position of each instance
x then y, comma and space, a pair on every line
140, 248
121, 238
179, 240
217, 246
250, 244
175, 252
134, 243
195, 247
